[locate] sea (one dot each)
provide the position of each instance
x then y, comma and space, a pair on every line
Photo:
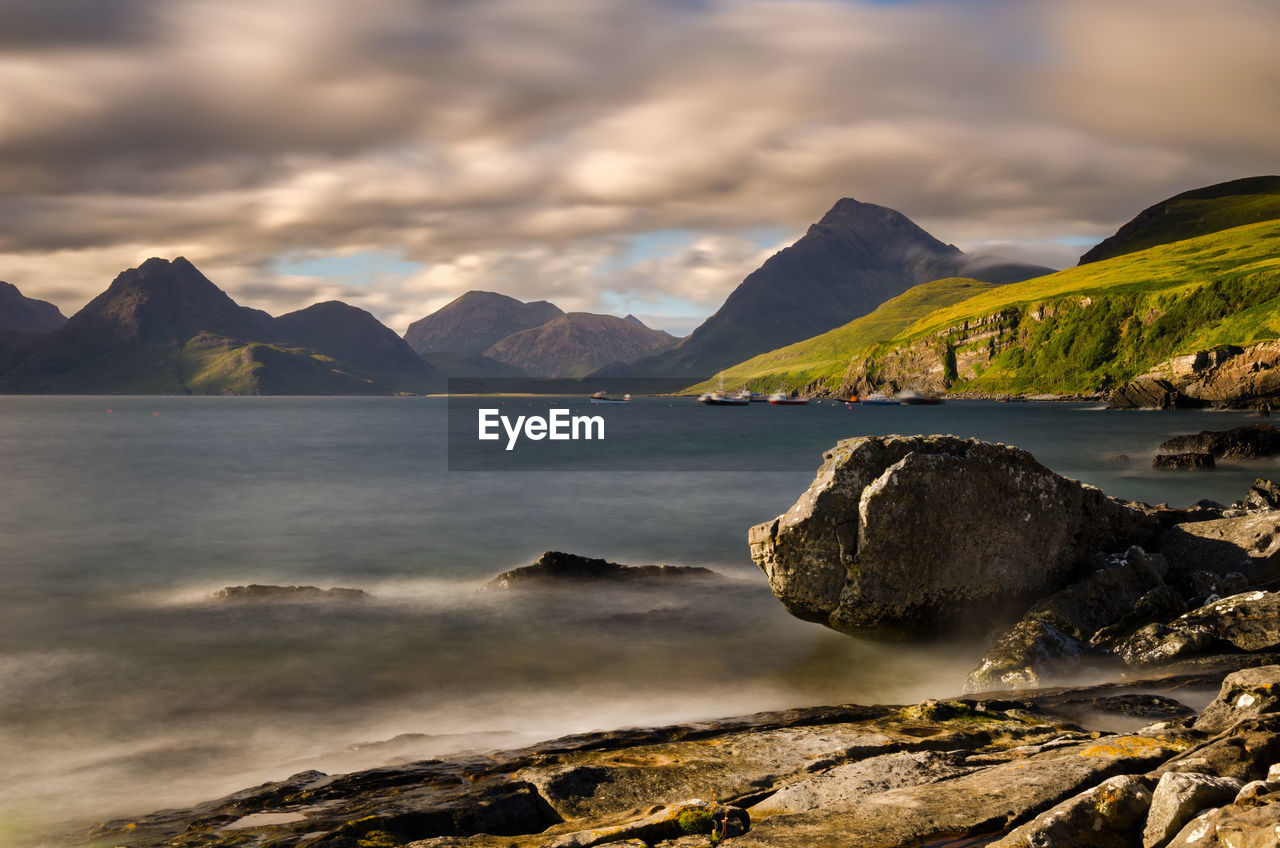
127, 687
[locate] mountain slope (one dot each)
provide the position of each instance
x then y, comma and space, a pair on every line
476, 321
1083, 330
164, 328
1194, 213
21, 314
823, 359
355, 338
578, 343
857, 257
1090, 328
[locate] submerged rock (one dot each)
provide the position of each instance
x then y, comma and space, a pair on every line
910, 535
555, 567
255, 592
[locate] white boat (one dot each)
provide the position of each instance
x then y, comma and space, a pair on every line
879, 399
785, 399
605, 397
913, 398
721, 399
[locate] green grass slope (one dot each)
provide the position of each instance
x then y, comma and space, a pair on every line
1090, 327
1081, 330
1194, 213
825, 357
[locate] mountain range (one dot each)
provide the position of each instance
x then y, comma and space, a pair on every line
486, 334
164, 328
1200, 268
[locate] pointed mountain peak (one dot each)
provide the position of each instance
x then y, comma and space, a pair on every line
164, 301
476, 320
880, 223
634, 320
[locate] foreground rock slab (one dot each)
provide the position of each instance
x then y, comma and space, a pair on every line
909, 535
987, 801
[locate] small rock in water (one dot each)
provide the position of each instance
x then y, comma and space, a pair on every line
555, 567
1183, 462
256, 592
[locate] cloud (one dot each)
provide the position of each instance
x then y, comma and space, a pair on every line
523, 146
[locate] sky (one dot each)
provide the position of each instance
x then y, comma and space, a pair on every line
608, 155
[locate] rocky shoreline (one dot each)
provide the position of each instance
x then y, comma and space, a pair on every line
898, 537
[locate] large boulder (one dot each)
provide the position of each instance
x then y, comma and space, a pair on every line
911, 535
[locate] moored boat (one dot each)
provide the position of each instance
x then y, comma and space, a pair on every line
784, 399
721, 399
605, 397
879, 399
913, 398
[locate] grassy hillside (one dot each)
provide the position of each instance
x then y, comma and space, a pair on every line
1079, 330
1194, 213
1108, 321
826, 357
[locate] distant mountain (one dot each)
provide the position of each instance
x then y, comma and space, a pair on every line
21, 314
1194, 213
23, 320
857, 257
164, 328
578, 343
354, 337
475, 322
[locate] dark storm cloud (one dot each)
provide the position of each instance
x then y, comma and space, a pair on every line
26, 25
518, 144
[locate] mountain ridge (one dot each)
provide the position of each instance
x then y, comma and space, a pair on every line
165, 328
857, 256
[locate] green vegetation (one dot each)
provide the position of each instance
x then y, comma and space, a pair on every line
1080, 330
1196, 213
826, 356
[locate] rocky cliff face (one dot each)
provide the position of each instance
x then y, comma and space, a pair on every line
1225, 376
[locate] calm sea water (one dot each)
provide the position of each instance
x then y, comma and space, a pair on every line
124, 688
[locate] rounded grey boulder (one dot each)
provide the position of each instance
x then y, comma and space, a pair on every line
916, 535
